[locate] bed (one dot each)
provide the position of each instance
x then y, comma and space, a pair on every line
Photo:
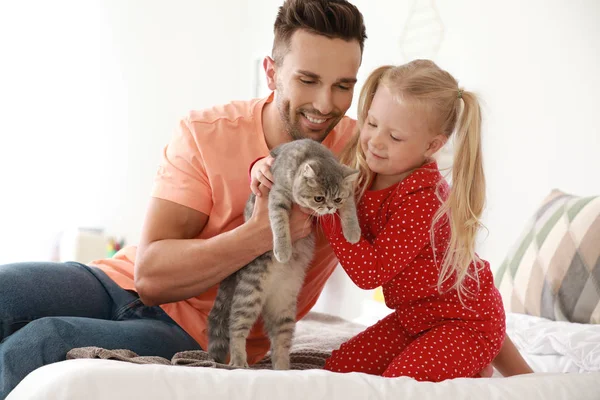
565, 356
550, 285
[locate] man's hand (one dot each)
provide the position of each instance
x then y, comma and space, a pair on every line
260, 213
260, 175
300, 221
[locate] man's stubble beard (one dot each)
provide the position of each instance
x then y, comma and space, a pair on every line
293, 128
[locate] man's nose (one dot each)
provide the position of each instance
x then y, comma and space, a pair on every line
324, 101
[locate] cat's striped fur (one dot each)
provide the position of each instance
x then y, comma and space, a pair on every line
306, 173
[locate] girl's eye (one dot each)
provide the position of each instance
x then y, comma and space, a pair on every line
395, 139
372, 125
338, 200
319, 199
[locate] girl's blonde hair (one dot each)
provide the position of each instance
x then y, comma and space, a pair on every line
450, 110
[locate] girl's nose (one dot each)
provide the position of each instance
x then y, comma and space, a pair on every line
376, 142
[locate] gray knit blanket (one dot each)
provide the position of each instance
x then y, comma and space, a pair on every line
316, 336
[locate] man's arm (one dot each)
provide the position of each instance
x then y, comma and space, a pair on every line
171, 265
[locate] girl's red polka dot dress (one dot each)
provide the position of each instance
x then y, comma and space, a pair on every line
430, 335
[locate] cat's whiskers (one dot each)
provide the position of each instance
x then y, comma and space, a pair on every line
332, 222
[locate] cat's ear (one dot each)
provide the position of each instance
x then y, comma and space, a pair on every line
350, 175
308, 172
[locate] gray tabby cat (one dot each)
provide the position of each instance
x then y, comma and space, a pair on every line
308, 174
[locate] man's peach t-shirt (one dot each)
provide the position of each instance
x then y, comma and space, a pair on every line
205, 167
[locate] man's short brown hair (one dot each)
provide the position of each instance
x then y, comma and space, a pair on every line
335, 19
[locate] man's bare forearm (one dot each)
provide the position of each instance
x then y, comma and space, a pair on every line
177, 269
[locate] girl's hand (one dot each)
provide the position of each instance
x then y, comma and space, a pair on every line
261, 175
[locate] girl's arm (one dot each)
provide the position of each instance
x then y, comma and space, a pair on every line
406, 233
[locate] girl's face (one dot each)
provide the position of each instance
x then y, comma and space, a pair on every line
396, 137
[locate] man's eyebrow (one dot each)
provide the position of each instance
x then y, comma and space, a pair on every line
309, 74
348, 80
317, 77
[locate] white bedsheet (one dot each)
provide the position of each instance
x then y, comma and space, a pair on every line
556, 346
550, 347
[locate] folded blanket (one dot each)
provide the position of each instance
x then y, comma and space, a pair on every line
316, 336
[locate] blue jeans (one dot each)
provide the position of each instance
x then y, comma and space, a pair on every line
46, 309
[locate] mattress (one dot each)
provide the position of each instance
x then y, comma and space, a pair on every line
565, 356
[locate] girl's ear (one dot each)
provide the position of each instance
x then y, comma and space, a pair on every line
435, 144
269, 67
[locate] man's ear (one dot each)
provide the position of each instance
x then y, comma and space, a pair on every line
270, 72
435, 144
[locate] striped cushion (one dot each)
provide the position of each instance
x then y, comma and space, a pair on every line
553, 271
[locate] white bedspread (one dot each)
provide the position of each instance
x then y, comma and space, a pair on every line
551, 347
556, 346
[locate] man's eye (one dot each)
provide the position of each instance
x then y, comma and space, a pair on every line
344, 87
307, 82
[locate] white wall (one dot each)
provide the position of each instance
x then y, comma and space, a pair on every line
90, 93
535, 65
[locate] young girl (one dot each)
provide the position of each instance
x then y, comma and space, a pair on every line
418, 233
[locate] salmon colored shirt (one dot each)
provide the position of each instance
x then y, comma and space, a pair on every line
205, 167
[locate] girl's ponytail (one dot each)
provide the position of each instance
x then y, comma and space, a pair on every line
466, 199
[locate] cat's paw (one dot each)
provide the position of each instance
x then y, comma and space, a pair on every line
281, 364
352, 234
238, 361
283, 253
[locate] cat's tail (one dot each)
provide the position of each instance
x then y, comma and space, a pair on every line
218, 320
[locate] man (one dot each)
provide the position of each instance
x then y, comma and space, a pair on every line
193, 236
155, 299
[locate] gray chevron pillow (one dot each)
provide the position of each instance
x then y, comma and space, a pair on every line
553, 270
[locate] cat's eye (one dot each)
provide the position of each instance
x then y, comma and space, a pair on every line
319, 199
338, 200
